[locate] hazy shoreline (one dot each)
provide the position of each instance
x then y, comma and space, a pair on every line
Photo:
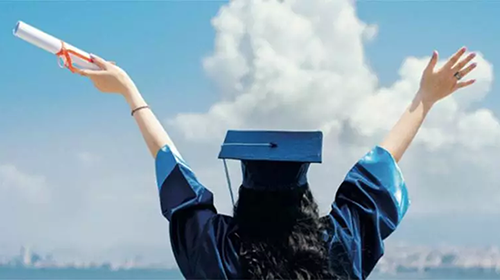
11, 272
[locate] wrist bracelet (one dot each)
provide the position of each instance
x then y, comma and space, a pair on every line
137, 109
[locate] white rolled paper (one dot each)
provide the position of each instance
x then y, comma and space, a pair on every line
51, 44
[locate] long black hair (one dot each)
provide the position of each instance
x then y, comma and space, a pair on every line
281, 235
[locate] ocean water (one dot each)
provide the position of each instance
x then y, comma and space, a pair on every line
104, 274
91, 273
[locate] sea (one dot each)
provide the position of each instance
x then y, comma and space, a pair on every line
145, 274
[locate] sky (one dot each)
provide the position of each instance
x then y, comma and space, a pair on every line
77, 180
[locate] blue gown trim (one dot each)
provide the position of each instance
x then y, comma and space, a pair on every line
369, 205
166, 161
183, 190
382, 165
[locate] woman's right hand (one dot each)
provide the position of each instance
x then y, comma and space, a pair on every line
434, 86
437, 84
110, 78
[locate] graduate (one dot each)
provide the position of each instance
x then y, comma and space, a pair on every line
276, 231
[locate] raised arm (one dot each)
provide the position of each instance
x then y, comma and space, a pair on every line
112, 79
373, 199
434, 86
180, 190
185, 202
151, 129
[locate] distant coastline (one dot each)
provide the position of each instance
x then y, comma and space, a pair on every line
11, 272
400, 262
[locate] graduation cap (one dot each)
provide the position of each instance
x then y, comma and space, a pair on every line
272, 160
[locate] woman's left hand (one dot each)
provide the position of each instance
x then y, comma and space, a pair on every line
436, 85
110, 78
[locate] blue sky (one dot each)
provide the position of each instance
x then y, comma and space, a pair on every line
161, 45
47, 112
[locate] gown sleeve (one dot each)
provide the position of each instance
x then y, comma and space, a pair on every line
189, 207
369, 205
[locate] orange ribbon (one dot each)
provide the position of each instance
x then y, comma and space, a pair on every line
65, 55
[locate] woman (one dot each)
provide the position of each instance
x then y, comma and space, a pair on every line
277, 233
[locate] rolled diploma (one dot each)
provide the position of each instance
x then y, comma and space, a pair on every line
50, 44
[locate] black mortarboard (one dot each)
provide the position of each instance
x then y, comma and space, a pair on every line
273, 160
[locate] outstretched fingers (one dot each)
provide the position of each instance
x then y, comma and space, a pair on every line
460, 85
432, 63
454, 59
467, 70
460, 65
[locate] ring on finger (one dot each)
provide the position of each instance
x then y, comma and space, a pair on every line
458, 75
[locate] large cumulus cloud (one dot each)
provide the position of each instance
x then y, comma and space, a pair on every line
301, 65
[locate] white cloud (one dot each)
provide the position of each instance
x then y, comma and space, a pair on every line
301, 65
30, 188
77, 213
